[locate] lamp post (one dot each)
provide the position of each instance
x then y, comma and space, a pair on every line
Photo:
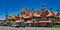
33, 22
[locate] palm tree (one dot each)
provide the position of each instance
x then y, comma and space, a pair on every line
52, 18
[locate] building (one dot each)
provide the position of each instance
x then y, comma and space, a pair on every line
36, 18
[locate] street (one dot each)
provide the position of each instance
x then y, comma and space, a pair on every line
28, 28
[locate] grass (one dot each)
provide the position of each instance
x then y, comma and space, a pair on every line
56, 26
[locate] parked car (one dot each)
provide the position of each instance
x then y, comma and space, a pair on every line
18, 25
22, 25
4, 24
15, 25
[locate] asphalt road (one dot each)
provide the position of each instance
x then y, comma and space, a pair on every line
30, 28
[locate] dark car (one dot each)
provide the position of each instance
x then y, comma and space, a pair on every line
22, 25
3, 24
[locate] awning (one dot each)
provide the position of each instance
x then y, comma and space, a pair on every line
28, 22
26, 17
44, 21
36, 15
18, 21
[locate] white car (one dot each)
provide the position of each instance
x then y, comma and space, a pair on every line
15, 25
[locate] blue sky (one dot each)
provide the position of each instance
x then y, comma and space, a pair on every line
14, 6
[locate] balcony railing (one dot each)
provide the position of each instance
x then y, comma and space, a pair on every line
57, 21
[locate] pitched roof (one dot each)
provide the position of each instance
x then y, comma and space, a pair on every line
23, 10
17, 18
36, 14
11, 17
46, 12
50, 14
56, 14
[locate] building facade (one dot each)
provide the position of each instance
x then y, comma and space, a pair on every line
34, 18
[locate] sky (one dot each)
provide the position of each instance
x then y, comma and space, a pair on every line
15, 6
